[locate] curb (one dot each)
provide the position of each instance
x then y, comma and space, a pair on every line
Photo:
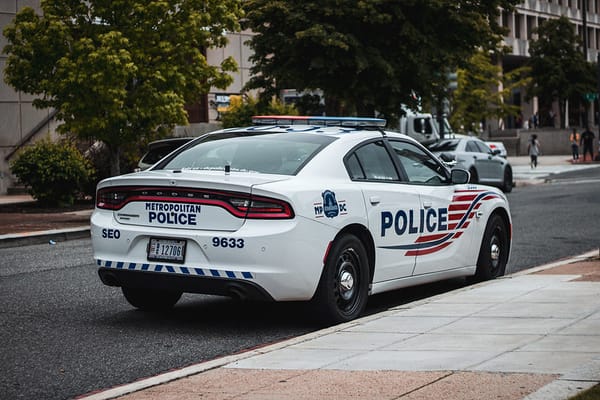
39, 237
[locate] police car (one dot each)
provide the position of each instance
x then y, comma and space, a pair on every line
321, 209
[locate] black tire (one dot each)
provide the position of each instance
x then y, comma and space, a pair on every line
474, 177
344, 286
493, 253
151, 299
507, 185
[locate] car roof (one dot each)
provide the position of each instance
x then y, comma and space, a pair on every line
177, 141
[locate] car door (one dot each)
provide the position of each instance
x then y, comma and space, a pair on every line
388, 205
494, 164
480, 159
439, 237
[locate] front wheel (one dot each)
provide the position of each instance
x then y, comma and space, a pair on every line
344, 286
493, 254
151, 299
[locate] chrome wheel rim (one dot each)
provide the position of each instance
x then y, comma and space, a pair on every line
347, 280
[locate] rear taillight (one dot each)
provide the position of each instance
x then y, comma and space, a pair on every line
262, 208
240, 205
110, 199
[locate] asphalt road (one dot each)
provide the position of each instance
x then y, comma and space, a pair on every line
62, 333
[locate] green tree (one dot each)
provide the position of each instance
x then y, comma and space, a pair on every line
119, 69
482, 92
243, 108
558, 68
367, 55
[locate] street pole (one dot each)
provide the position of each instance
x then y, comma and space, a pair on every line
585, 54
598, 83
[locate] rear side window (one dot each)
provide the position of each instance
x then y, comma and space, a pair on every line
372, 162
282, 154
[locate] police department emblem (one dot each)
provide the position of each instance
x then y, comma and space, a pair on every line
330, 204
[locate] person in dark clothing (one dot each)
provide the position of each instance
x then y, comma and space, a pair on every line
587, 140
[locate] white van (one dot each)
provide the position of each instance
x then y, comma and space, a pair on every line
421, 126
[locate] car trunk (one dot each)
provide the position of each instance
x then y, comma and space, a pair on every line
196, 200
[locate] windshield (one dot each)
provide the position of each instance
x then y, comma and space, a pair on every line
277, 153
444, 145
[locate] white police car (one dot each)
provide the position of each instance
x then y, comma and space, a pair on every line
296, 208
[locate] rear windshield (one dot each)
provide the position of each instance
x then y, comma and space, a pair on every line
160, 150
444, 145
276, 153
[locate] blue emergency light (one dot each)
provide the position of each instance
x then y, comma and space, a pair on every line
318, 121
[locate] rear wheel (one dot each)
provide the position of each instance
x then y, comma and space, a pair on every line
151, 299
493, 254
343, 290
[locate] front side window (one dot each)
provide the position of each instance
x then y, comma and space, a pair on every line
419, 166
371, 162
471, 147
483, 148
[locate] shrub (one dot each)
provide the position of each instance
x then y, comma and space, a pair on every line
54, 172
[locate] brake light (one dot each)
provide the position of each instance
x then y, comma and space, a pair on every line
110, 199
240, 205
263, 208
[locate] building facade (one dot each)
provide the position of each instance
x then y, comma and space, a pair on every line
521, 25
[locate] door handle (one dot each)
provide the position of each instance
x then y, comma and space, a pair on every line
374, 200
427, 204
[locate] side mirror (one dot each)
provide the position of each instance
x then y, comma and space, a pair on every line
459, 176
496, 152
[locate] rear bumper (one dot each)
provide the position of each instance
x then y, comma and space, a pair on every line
237, 288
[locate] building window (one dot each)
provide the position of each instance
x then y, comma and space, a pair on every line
518, 26
530, 26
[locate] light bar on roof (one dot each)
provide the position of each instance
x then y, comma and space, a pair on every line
318, 120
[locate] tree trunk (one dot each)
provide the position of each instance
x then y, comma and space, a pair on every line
561, 112
332, 106
365, 110
114, 157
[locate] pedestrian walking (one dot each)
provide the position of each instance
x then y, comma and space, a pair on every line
574, 139
534, 150
587, 141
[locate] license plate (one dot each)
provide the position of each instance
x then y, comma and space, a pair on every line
172, 250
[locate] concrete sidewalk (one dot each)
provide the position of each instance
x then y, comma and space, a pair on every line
524, 175
533, 335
